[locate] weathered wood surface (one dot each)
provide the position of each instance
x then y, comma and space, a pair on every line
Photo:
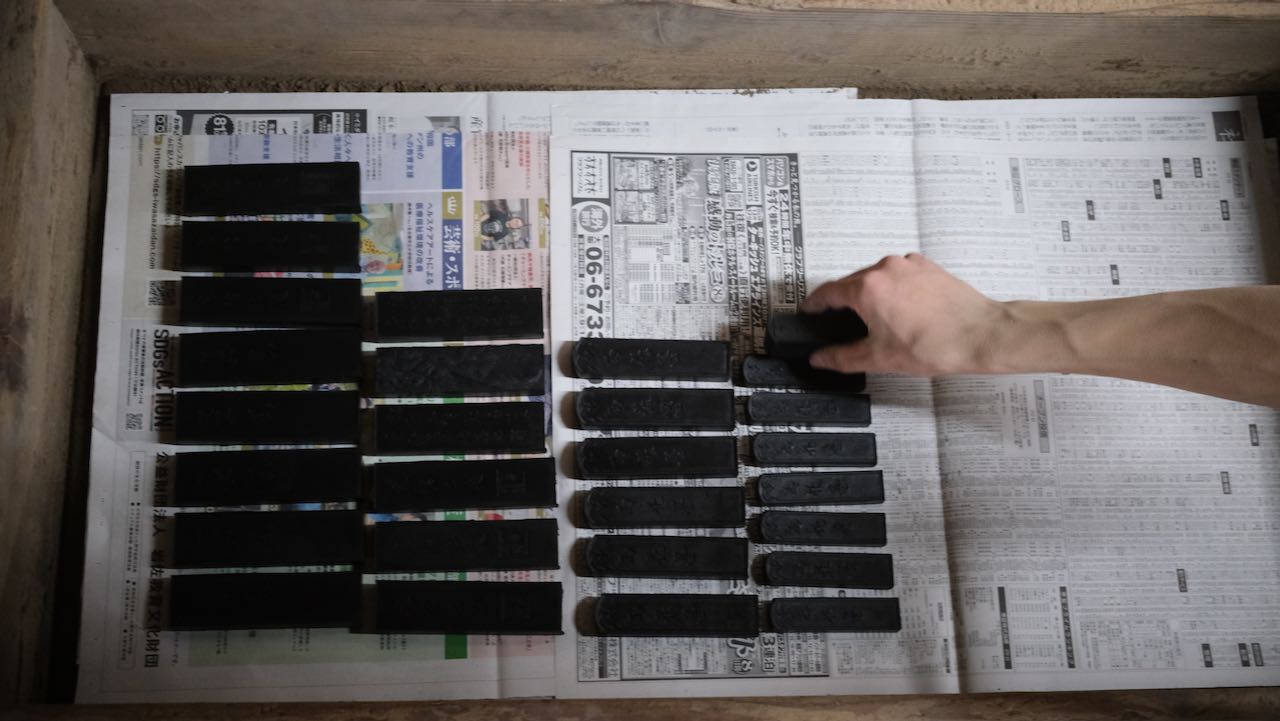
1090, 48
46, 127
1218, 704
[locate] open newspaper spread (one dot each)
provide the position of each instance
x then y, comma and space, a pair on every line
1049, 532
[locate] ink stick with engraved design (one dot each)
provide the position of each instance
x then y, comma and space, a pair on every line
461, 370
279, 245
236, 301
829, 570
232, 601
234, 539
250, 478
657, 409
667, 557
798, 335
823, 528
467, 607
814, 449
685, 615
760, 371
465, 545
442, 315
262, 417
815, 409
834, 615
651, 359
817, 489
461, 428
677, 457
446, 485
665, 507
269, 357
271, 188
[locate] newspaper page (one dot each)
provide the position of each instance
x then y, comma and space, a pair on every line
436, 167
1104, 533
697, 223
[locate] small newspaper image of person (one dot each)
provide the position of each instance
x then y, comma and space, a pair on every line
502, 224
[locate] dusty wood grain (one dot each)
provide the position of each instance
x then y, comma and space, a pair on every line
46, 126
1236, 704
677, 43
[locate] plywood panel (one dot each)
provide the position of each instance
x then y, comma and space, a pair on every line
46, 127
672, 43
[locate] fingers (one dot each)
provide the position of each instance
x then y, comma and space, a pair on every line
841, 293
846, 358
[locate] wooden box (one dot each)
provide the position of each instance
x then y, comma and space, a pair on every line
58, 59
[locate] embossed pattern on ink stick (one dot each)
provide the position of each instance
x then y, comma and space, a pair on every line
664, 507
465, 545
467, 607
686, 615
829, 570
230, 601
670, 409
460, 370
440, 315
461, 428
822, 528
816, 409
821, 488
814, 449
651, 359
630, 458
822, 615
798, 335
667, 557
759, 371
445, 485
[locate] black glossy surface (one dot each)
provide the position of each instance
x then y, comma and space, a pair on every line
261, 417
762, 371
267, 538
461, 428
250, 478
269, 357
672, 409
465, 545
247, 246
263, 600
271, 188
635, 614
628, 458
461, 370
237, 302
445, 485
829, 570
667, 557
468, 607
798, 335
626, 507
438, 315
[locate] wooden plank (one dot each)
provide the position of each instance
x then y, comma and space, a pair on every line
1235, 704
683, 43
47, 130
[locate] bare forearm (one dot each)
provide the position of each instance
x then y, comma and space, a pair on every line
1223, 342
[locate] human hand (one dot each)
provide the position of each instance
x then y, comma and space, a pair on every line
921, 320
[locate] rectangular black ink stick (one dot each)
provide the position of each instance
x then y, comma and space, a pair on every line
461, 370
798, 335
816, 489
816, 409
251, 478
267, 538
677, 614
236, 302
822, 528
664, 507
243, 247
667, 557
205, 602
651, 359
467, 607
465, 545
629, 458
761, 371
461, 428
814, 449
824, 615
656, 409
829, 570
269, 357
447, 485
261, 417
439, 315
271, 188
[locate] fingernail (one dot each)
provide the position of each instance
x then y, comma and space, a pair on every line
820, 360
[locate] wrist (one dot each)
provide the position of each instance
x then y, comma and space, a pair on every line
1029, 337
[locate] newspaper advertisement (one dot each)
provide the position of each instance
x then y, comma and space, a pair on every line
1049, 532
454, 195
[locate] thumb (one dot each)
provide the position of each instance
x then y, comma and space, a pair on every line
852, 357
